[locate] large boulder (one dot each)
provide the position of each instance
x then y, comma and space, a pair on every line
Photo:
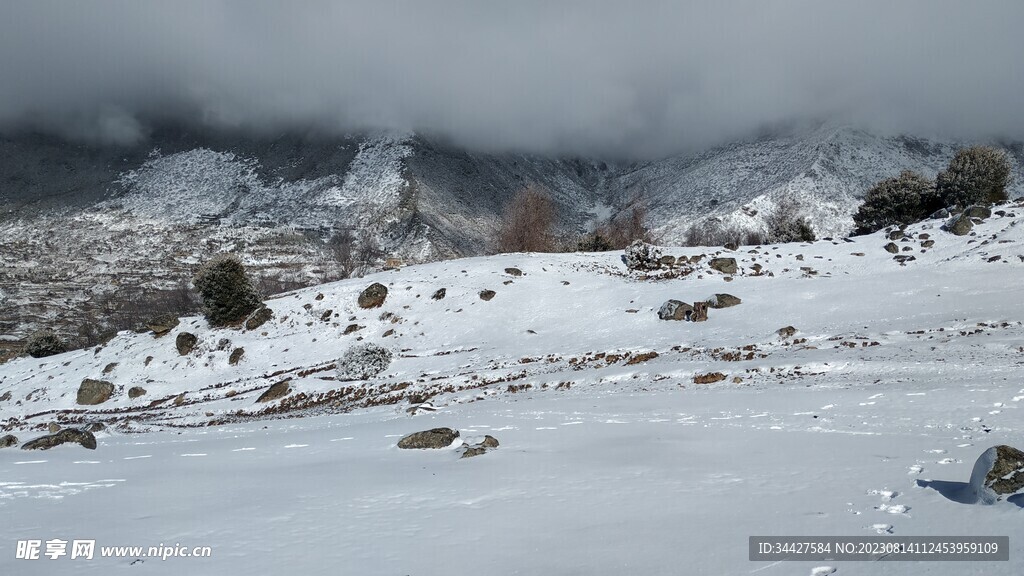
998, 473
74, 435
719, 301
429, 439
373, 296
258, 318
982, 212
363, 361
960, 225
8, 440
724, 265
163, 324
675, 310
185, 342
92, 392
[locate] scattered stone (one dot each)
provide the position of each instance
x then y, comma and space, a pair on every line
92, 392
731, 246
236, 356
429, 439
8, 441
668, 261
892, 248
486, 295
924, 236
185, 343
940, 213
719, 301
998, 472
352, 328
75, 435
786, 332
709, 378
896, 234
389, 332
904, 258
258, 318
179, 399
109, 367
278, 390
326, 316
319, 297
513, 271
53, 427
700, 312
724, 265
927, 243
373, 296
6, 396
675, 310
96, 427
439, 294
136, 391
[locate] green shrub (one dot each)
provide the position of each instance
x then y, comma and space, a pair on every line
227, 292
905, 199
976, 175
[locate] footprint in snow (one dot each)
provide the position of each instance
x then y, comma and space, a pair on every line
880, 528
886, 495
915, 469
949, 461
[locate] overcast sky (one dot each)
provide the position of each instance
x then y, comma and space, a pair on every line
628, 78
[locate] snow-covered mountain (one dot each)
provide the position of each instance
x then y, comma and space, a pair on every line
82, 225
627, 443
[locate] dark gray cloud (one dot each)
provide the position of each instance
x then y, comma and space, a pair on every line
590, 76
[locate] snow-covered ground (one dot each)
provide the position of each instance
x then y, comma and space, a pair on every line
612, 459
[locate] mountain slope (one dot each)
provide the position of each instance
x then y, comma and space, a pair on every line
612, 458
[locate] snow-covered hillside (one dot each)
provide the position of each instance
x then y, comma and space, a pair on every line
614, 456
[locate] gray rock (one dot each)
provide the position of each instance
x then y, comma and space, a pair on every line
719, 301
8, 441
675, 310
439, 294
513, 271
74, 435
185, 342
892, 248
896, 234
668, 261
278, 390
486, 295
982, 212
429, 439
373, 296
724, 265
236, 356
53, 427
998, 472
92, 392
136, 391
258, 318
960, 226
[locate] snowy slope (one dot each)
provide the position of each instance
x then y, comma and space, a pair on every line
612, 459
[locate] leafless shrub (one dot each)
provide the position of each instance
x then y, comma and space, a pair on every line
527, 223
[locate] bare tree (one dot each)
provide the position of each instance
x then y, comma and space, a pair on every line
527, 222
